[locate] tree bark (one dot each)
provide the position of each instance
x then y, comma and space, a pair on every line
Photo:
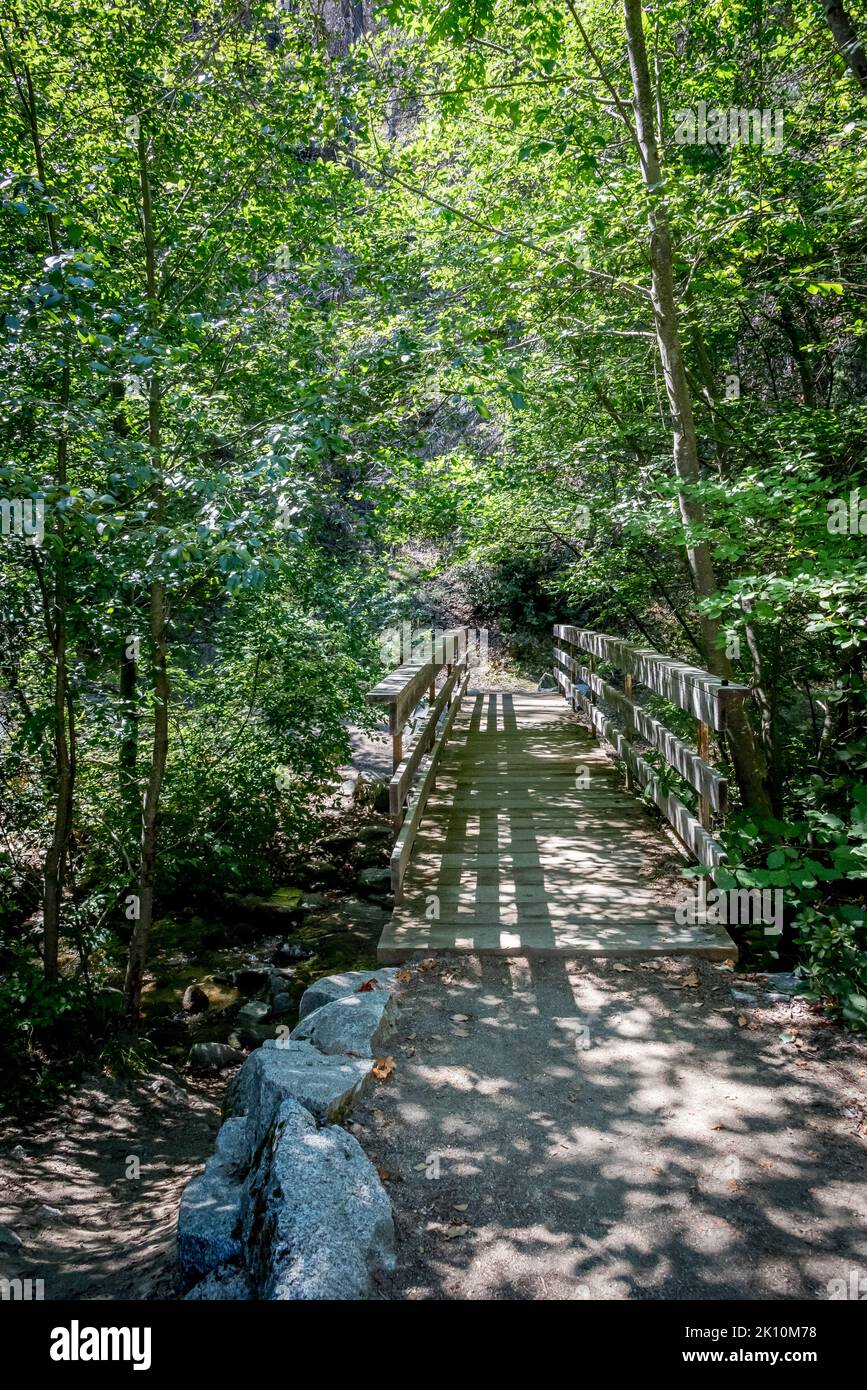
159, 647
847, 40
745, 752
54, 605
128, 756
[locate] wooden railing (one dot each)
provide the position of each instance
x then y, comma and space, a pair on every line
403, 692
705, 696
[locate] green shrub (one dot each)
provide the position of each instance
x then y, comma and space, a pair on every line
834, 960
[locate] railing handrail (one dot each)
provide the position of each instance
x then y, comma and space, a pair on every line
403, 688
403, 691
695, 690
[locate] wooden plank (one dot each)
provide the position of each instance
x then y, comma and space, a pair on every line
467, 799
472, 820
521, 857
453, 869
543, 884
438, 838
507, 914
584, 936
705, 802
402, 689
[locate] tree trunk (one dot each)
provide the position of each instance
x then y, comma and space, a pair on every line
54, 869
801, 359
746, 755
127, 763
138, 945
847, 40
64, 757
159, 646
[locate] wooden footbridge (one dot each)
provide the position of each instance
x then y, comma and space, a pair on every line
515, 833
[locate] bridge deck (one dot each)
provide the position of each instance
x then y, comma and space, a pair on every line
513, 858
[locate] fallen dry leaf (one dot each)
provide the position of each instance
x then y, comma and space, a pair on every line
452, 1232
461, 1206
366, 986
428, 963
461, 1032
460, 1018
383, 1067
622, 969
404, 976
385, 1174
692, 980
742, 1020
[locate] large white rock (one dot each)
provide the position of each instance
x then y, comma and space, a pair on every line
285, 1070
357, 1025
317, 1220
209, 1217
332, 987
227, 1284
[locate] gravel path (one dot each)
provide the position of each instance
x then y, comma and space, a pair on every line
620, 1131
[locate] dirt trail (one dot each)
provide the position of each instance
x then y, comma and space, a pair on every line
88, 1229
668, 1151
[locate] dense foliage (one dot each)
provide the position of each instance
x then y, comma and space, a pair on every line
300, 300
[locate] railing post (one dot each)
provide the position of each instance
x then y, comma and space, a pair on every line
627, 687
702, 740
396, 750
630, 726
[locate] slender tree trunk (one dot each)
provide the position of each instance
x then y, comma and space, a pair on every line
159, 647
847, 40
803, 366
127, 763
746, 755
54, 869
138, 946
64, 757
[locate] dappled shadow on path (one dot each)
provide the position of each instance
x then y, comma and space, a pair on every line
608, 1131
92, 1190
